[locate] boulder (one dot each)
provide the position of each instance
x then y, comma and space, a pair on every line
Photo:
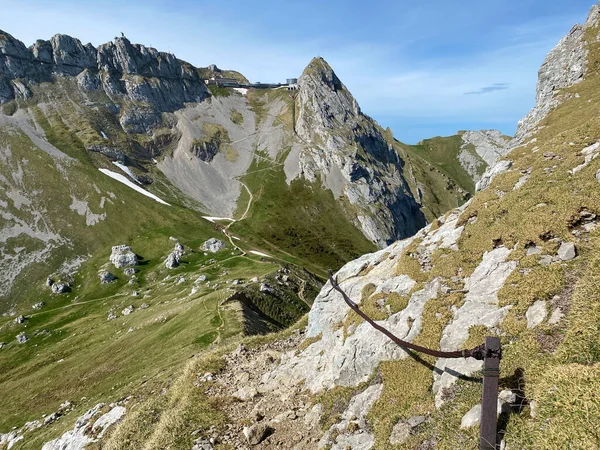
265, 288
174, 258
106, 277
257, 433
20, 319
111, 315
123, 256
2, 345
536, 314
22, 338
567, 251
130, 271
39, 305
59, 288
127, 310
212, 245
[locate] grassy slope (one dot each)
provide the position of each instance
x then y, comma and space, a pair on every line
51, 367
439, 190
443, 153
300, 218
557, 366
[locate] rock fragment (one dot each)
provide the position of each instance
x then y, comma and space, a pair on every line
567, 251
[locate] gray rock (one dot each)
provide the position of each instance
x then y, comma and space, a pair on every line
400, 433
106, 277
325, 105
246, 393
173, 260
111, 315
563, 67
128, 310
59, 288
481, 148
567, 251
20, 319
265, 288
38, 305
49, 281
144, 306
212, 245
202, 444
312, 418
131, 271
88, 428
2, 345
536, 314
491, 172
555, 317
471, 418
533, 250
22, 337
123, 256
545, 260
415, 421
257, 433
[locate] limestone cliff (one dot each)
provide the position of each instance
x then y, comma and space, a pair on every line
347, 152
563, 67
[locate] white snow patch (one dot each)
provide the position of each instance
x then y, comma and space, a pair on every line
127, 170
242, 91
124, 180
254, 252
104, 135
212, 219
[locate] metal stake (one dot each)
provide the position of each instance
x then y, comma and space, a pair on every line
489, 400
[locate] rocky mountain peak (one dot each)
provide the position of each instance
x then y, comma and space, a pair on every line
324, 100
564, 66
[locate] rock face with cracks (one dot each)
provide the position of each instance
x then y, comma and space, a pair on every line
348, 153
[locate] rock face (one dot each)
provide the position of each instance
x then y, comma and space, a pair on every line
564, 66
348, 153
212, 245
123, 256
480, 149
491, 172
89, 428
158, 81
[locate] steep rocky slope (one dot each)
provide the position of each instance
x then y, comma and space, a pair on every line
520, 261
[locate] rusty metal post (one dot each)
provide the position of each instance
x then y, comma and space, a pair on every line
489, 398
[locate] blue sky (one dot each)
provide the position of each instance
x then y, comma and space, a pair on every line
423, 68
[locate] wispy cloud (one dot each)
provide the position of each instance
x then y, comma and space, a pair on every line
487, 89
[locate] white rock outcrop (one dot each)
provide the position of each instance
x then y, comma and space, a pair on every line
82, 433
123, 256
